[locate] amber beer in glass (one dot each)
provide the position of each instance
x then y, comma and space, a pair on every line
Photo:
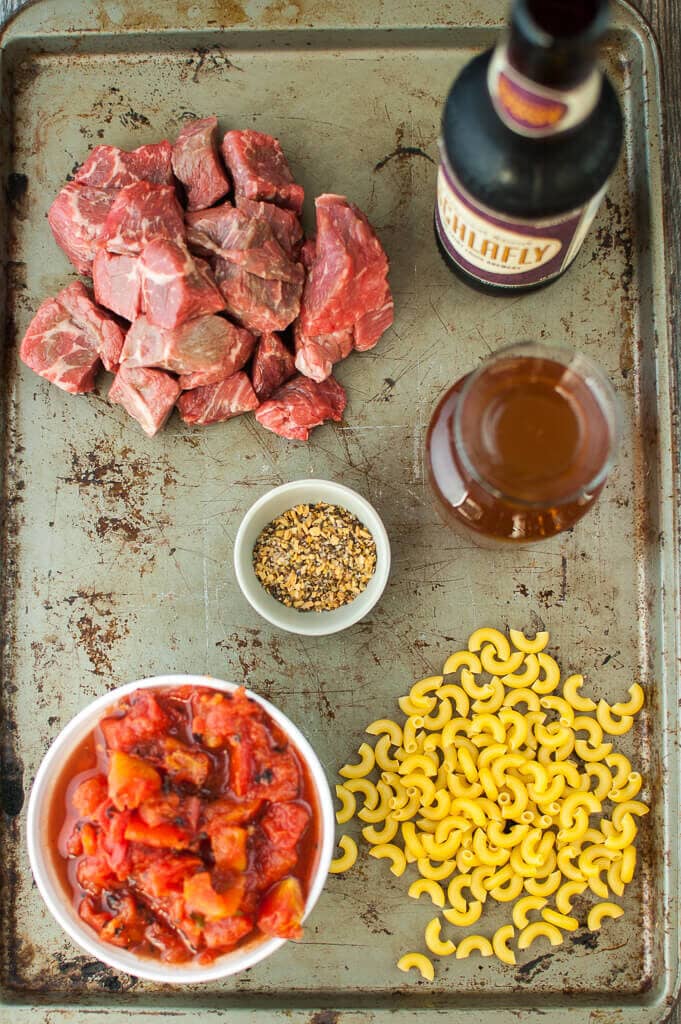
520, 449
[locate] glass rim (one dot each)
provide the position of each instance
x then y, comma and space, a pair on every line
599, 385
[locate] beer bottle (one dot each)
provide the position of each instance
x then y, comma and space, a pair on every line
531, 132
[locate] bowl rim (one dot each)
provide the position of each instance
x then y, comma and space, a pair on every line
149, 969
323, 623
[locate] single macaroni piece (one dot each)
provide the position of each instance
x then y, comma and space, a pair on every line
410, 707
366, 788
424, 686
392, 853
633, 705
386, 725
522, 696
432, 888
492, 703
381, 753
551, 674
359, 771
471, 687
500, 667
433, 940
522, 906
418, 962
562, 706
536, 929
444, 714
468, 917
522, 643
461, 659
566, 894
517, 680
488, 635
609, 724
602, 773
564, 921
349, 847
435, 871
348, 805
454, 692
510, 890
474, 944
600, 912
500, 940
545, 888
570, 687
628, 864
376, 836
454, 892
628, 791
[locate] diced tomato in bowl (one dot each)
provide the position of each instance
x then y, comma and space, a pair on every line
198, 824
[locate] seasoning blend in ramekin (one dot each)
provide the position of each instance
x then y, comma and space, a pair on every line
312, 557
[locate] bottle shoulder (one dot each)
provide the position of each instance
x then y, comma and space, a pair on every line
520, 176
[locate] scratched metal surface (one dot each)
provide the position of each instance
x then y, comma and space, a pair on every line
117, 548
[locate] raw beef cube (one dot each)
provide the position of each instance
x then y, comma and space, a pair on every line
97, 324
260, 170
240, 350
247, 241
260, 305
316, 355
174, 288
141, 213
347, 279
208, 346
118, 284
301, 404
56, 348
77, 218
111, 167
218, 402
197, 164
273, 365
148, 395
284, 223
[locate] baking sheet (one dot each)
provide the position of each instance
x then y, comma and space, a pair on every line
117, 548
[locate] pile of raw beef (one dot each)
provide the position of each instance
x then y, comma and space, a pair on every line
190, 298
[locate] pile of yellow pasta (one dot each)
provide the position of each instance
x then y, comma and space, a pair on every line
488, 801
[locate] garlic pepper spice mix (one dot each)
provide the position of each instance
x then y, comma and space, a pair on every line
315, 557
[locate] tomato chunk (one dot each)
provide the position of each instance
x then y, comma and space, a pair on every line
281, 910
173, 809
88, 796
284, 824
226, 933
201, 898
232, 812
229, 845
168, 836
272, 863
165, 876
127, 927
89, 913
144, 719
131, 780
184, 764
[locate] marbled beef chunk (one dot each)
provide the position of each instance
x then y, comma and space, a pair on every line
218, 402
197, 164
148, 395
77, 218
59, 350
301, 404
260, 170
111, 167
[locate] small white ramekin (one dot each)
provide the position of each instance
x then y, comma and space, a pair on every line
273, 504
59, 902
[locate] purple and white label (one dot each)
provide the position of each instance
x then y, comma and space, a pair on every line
534, 110
500, 251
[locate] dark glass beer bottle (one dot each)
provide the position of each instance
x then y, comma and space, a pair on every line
531, 132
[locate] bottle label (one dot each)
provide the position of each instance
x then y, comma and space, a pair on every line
501, 251
533, 110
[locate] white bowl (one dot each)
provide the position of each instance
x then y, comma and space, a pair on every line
59, 902
271, 505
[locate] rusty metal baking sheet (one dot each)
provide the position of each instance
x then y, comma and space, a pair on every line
117, 548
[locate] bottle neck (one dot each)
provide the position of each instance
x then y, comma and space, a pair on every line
533, 109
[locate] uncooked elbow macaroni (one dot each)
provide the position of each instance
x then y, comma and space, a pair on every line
499, 785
